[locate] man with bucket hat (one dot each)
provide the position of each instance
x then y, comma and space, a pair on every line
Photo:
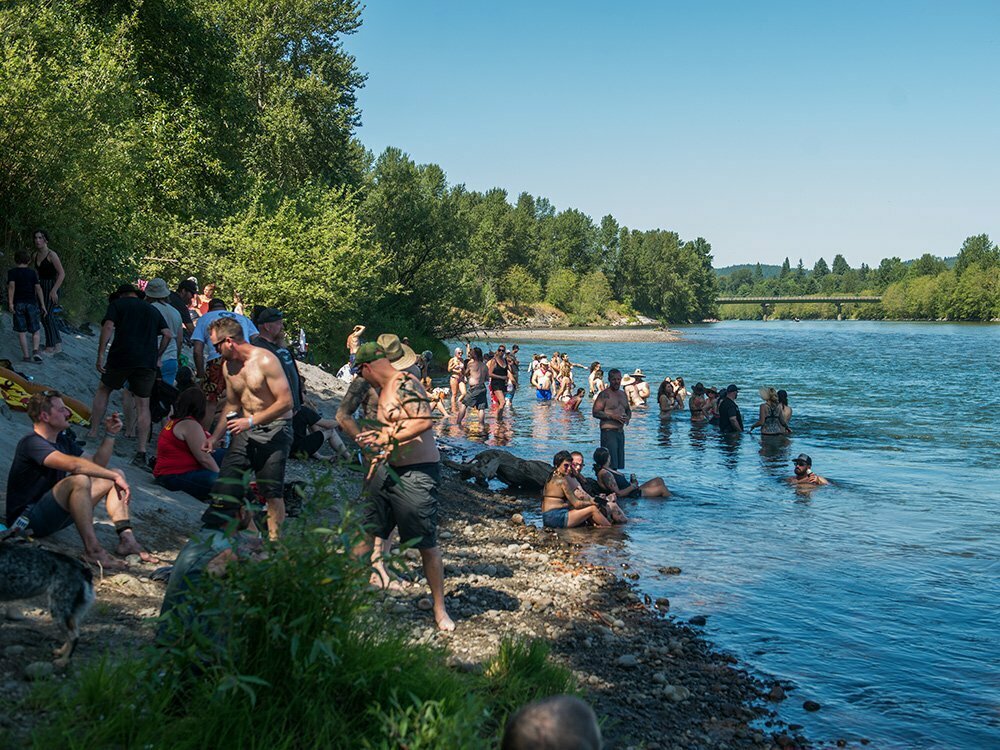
406, 470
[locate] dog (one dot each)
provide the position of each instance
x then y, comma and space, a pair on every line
27, 570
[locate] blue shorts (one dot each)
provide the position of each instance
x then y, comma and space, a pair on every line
556, 519
46, 516
541, 395
27, 317
168, 371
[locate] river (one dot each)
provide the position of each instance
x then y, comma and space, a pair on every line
877, 596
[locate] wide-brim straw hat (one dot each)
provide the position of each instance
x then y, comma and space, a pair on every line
400, 356
628, 380
638, 373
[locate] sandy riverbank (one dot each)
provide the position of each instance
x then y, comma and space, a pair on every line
622, 333
654, 681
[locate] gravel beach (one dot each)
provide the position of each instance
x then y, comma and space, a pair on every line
636, 334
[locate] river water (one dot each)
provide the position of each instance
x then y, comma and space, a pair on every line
878, 596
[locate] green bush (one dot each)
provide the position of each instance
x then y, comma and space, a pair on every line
289, 652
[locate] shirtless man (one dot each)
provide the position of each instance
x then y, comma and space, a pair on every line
804, 474
561, 506
354, 341
475, 395
612, 409
262, 437
542, 380
499, 374
407, 495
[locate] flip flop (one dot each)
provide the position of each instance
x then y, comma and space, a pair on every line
36, 359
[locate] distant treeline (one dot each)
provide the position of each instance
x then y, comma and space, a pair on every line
928, 288
216, 138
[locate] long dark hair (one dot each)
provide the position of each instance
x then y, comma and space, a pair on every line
601, 456
783, 398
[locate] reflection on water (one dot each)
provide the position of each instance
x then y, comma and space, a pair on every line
875, 596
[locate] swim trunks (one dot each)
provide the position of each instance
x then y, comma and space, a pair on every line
262, 449
556, 519
543, 395
476, 396
408, 500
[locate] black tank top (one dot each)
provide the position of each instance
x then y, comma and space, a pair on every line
498, 380
47, 269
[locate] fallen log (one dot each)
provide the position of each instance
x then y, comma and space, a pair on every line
517, 472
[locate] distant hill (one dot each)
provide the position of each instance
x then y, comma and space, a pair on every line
769, 271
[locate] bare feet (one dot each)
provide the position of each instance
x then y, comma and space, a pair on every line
380, 579
127, 545
444, 622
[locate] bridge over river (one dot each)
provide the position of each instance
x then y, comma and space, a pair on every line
767, 303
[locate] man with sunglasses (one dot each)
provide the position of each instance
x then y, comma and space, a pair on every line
804, 473
257, 391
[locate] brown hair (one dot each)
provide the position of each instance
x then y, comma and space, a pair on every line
190, 403
40, 402
228, 327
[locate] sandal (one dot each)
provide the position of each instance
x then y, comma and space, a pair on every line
36, 359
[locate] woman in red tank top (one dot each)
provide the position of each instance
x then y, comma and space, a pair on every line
182, 463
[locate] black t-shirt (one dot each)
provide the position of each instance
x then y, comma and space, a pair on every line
29, 478
24, 284
137, 327
177, 303
727, 409
288, 365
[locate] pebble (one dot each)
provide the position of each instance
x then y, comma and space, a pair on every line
425, 604
660, 678
14, 650
619, 624
662, 603
670, 571
39, 670
517, 519
627, 660
490, 570
445, 534
777, 694
133, 559
698, 620
412, 554
811, 706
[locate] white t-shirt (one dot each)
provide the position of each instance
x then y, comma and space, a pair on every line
201, 330
173, 320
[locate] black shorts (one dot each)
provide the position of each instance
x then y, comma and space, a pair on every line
304, 418
262, 450
476, 396
410, 502
140, 380
46, 516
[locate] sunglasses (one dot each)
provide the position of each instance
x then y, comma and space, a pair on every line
220, 342
800, 463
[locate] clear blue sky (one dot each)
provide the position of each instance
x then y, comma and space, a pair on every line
775, 129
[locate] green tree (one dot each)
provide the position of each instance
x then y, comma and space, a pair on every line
561, 289
977, 250
520, 287
821, 269
840, 265
927, 265
593, 295
786, 269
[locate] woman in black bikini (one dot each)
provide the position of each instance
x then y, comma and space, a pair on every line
614, 481
51, 276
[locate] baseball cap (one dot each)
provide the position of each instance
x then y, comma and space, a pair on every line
270, 315
732, 389
188, 285
368, 353
802, 458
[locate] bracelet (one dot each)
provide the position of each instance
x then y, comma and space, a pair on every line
110, 435
250, 420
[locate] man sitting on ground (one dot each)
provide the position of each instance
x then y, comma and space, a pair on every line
52, 484
561, 508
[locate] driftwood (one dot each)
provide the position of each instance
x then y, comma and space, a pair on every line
513, 471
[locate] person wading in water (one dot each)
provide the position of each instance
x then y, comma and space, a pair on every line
612, 409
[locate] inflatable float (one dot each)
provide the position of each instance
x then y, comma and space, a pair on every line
16, 391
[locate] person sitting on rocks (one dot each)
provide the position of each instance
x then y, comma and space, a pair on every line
52, 485
613, 480
182, 464
561, 506
559, 722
